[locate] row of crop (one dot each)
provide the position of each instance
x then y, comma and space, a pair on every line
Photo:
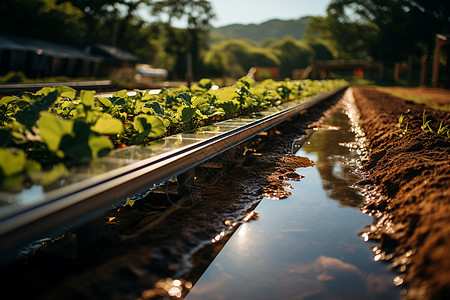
57, 125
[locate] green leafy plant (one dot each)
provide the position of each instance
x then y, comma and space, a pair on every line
47, 131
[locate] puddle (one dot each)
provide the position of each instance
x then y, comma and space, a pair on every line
308, 245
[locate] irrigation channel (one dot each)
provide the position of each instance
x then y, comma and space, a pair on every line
306, 246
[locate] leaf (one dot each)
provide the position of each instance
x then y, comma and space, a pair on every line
199, 101
152, 126
99, 145
250, 102
211, 111
230, 108
157, 108
66, 92
45, 91
29, 115
138, 138
186, 97
226, 94
12, 161
75, 145
205, 83
158, 127
91, 116
104, 102
52, 129
117, 101
87, 98
120, 94
186, 113
106, 124
7, 100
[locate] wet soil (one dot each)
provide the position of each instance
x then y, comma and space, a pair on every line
411, 172
161, 235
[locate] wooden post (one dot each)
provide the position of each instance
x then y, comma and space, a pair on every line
314, 69
396, 71
440, 41
423, 73
447, 73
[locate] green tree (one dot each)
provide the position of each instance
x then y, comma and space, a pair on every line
403, 27
116, 23
238, 56
192, 40
321, 51
292, 54
43, 19
345, 37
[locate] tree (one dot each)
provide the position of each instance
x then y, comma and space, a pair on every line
404, 27
292, 54
321, 51
238, 56
198, 14
43, 19
346, 38
116, 23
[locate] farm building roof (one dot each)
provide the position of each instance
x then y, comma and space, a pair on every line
111, 53
14, 42
6, 43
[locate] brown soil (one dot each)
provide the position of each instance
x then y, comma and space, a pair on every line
412, 173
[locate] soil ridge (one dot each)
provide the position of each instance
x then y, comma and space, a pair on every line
411, 169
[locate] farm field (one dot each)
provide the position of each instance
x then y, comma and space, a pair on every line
404, 178
410, 170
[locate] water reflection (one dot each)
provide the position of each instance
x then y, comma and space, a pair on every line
305, 247
332, 145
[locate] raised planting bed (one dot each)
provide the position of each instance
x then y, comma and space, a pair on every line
75, 182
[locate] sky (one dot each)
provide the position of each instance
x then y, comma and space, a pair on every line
258, 11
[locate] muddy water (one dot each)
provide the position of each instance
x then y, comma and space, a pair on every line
308, 245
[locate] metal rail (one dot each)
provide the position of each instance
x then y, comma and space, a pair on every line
33, 87
85, 196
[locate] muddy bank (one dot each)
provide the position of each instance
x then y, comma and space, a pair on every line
411, 168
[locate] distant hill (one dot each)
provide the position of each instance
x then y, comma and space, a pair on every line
270, 29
